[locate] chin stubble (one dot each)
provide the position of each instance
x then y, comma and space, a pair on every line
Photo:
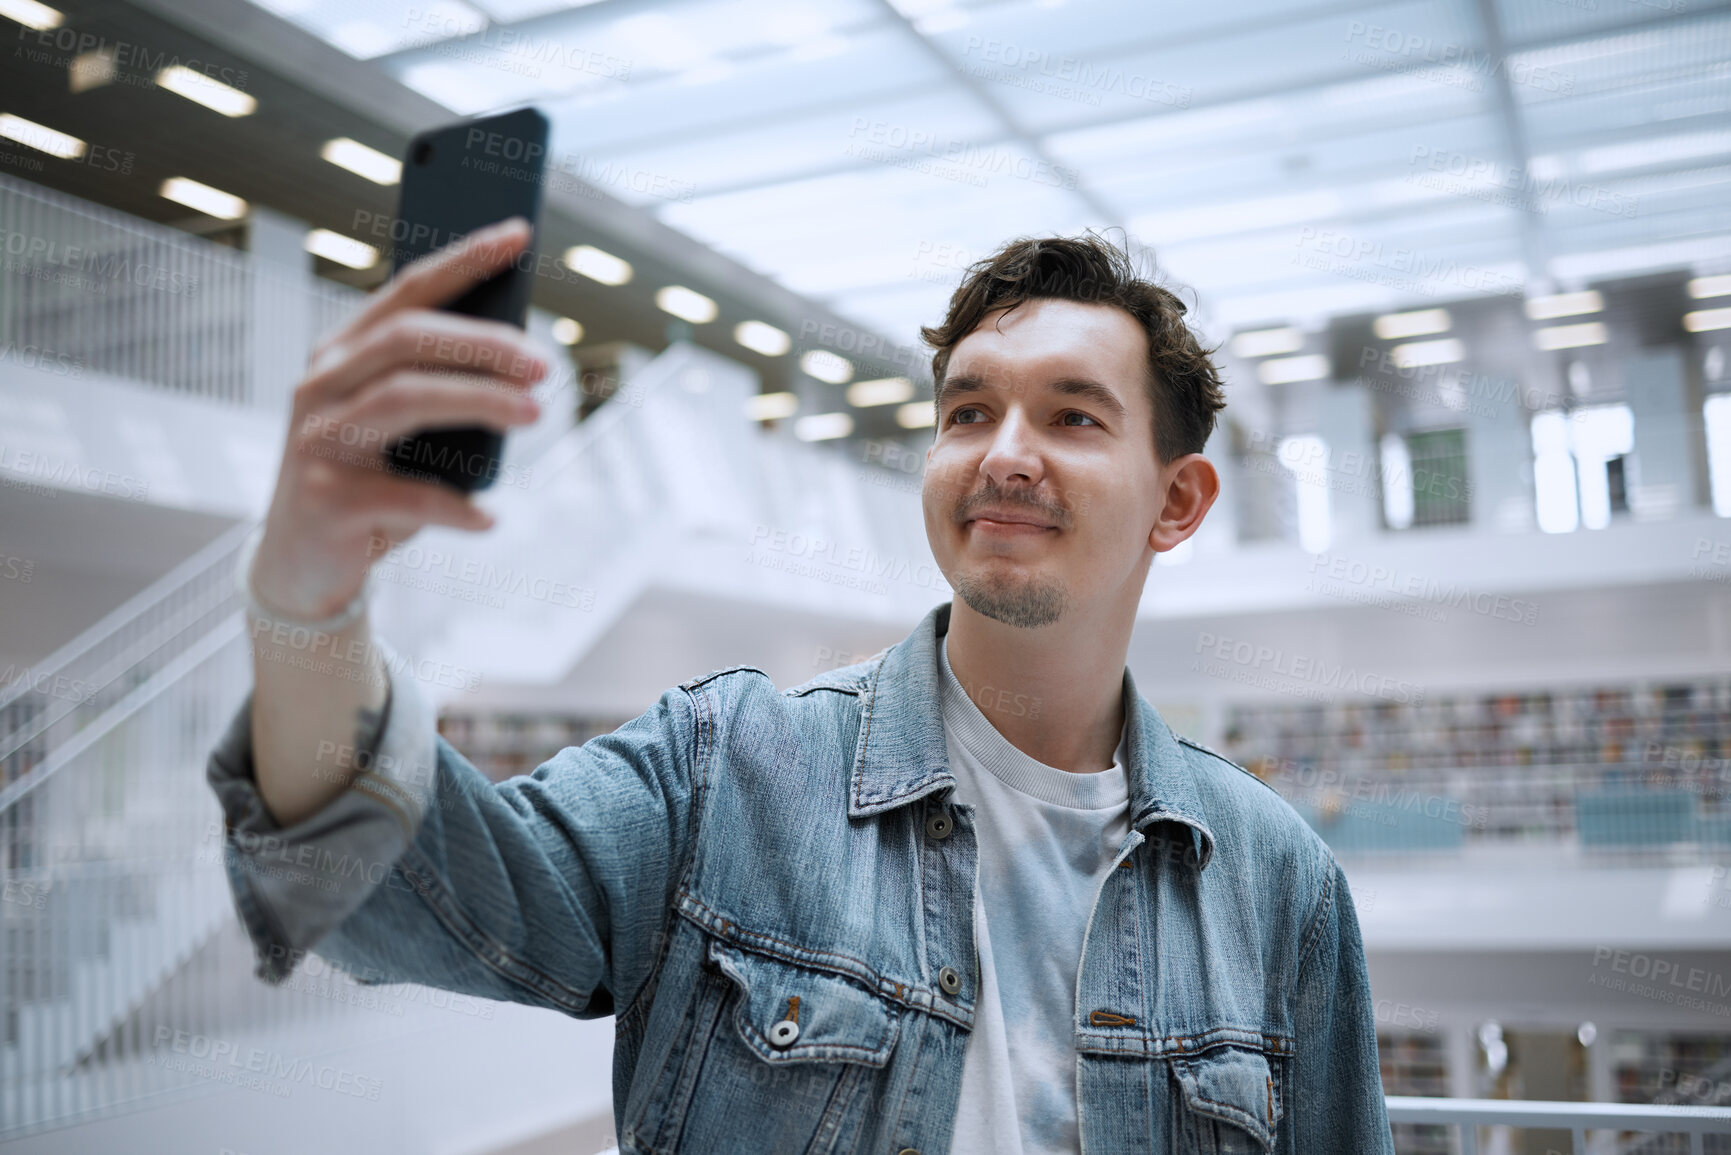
1027, 606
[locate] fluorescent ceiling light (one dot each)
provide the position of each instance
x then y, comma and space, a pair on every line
823, 426
1266, 342
567, 331
32, 15
884, 391
1394, 326
1444, 352
917, 415
770, 406
185, 191
1570, 336
1718, 286
363, 161
201, 89
762, 338
1564, 305
91, 69
1286, 370
826, 366
40, 137
343, 250
598, 265
1706, 320
686, 304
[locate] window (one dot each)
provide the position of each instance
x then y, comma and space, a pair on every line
1582, 466
1424, 479
1718, 414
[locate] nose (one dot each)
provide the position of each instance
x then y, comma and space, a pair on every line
1013, 456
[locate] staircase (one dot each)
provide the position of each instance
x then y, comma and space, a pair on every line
115, 898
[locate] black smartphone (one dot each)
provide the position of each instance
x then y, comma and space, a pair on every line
457, 179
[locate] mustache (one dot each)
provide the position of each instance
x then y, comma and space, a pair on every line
1011, 499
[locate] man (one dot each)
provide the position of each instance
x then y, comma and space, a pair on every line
971, 895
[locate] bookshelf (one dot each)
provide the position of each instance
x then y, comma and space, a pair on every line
504, 744
1416, 1063
1522, 756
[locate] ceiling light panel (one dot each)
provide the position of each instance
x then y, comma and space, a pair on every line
877, 61
366, 29
780, 149
1242, 56
818, 236
511, 11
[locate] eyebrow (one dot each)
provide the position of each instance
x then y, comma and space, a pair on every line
1079, 387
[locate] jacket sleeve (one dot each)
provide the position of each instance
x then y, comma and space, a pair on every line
1337, 1093
550, 889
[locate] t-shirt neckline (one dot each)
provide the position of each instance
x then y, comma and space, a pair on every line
1100, 790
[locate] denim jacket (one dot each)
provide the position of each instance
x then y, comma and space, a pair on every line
753, 881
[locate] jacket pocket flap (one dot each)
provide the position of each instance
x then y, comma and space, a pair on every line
789, 1013
1234, 1085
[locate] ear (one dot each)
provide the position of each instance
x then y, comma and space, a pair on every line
1191, 485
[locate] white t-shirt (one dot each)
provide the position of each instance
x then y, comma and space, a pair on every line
1046, 840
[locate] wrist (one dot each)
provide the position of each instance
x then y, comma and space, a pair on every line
260, 610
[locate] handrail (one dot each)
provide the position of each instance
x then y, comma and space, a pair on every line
1577, 1118
213, 552
108, 660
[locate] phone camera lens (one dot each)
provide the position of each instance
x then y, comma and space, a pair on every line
423, 152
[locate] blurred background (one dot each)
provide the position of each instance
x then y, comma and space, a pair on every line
1465, 601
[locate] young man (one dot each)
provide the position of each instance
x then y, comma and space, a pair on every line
971, 895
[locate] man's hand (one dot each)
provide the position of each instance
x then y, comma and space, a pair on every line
400, 366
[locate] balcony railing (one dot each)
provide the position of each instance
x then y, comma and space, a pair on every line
88, 287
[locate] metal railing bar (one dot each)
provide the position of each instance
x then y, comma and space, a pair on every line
160, 682
1539, 1113
158, 591
162, 636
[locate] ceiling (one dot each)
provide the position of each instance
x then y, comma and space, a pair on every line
1291, 161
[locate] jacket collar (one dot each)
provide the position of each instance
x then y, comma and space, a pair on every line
902, 757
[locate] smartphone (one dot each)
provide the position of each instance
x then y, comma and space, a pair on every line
457, 179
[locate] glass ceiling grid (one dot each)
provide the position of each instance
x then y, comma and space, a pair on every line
836, 145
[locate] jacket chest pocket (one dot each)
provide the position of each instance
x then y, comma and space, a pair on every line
773, 1056
1227, 1100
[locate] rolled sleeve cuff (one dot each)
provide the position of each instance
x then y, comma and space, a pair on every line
292, 885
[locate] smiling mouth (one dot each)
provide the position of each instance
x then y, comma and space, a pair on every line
998, 526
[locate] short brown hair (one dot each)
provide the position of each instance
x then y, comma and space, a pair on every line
1183, 382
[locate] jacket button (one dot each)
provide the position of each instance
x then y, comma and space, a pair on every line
909, 1151
783, 1033
949, 980
939, 825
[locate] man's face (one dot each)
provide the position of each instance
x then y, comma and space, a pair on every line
1041, 485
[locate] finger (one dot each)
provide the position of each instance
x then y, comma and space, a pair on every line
377, 503
411, 399
424, 337
442, 276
